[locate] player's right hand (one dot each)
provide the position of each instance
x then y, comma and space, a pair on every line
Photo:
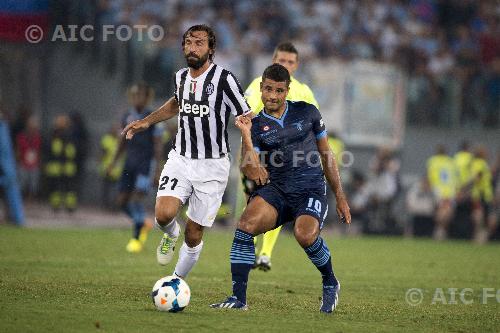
135, 127
244, 123
262, 177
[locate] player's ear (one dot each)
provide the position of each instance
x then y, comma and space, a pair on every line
261, 85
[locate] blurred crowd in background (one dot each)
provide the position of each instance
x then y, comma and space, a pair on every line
457, 196
449, 50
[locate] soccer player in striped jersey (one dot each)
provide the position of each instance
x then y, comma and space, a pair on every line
287, 55
291, 137
197, 168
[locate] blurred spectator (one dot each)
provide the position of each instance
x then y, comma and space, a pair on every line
61, 166
461, 225
80, 137
28, 151
22, 115
383, 186
421, 205
109, 148
496, 206
463, 161
422, 100
492, 92
8, 182
483, 213
441, 173
359, 197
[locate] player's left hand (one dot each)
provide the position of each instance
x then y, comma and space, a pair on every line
343, 210
135, 127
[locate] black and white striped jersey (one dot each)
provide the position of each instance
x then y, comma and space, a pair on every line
204, 107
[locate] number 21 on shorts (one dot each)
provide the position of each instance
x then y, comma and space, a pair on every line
164, 182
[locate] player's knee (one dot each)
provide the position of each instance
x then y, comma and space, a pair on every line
164, 215
305, 236
248, 225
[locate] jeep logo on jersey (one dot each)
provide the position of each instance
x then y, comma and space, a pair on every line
194, 108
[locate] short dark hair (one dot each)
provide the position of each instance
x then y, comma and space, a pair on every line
212, 42
276, 72
286, 47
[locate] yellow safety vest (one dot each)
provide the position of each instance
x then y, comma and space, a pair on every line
337, 147
442, 176
109, 143
463, 160
481, 175
62, 159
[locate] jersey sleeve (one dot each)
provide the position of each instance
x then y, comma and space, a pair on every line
308, 96
233, 96
175, 88
253, 95
318, 125
255, 136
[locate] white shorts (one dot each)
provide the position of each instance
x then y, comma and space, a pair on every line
203, 181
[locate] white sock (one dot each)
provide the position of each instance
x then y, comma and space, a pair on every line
172, 229
188, 256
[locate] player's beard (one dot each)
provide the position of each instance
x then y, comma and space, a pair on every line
196, 62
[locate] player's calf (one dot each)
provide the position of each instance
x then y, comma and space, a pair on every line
190, 250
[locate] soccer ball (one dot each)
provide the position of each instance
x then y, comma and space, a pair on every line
171, 293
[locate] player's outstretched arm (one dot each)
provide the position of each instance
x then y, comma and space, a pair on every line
250, 162
332, 175
164, 112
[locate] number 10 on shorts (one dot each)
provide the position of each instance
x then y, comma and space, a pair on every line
317, 204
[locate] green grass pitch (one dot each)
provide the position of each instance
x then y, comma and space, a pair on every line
69, 280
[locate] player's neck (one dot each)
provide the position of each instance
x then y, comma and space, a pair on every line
197, 72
